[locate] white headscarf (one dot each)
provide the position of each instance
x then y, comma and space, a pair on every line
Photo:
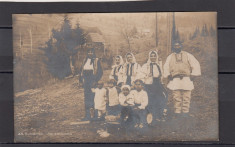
121, 60
125, 86
133, 58
149, 61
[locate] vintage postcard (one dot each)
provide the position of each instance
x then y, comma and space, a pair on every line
115, 77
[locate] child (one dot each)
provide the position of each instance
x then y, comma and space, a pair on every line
126, 100
112, 96
141, 101
100, 100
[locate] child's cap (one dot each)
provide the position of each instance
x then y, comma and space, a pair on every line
126, 86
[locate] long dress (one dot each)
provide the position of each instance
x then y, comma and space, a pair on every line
156, 92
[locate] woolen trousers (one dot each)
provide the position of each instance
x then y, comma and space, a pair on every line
182, 100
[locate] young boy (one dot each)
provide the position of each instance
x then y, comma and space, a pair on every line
141, 101
113, 100
100, 100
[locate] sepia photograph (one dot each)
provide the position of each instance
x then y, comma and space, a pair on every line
115, 77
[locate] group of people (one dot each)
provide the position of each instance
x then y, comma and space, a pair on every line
134, 89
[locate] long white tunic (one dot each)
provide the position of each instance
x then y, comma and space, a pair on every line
140, 97
126, 100
117, 72
146, 70
136, 70
113, 97
185, 83
100, 98
88, 65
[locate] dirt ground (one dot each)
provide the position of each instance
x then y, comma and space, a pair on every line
52, 114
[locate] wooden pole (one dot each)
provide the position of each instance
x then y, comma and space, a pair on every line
156, 33
31, 40
168, 36
21, 49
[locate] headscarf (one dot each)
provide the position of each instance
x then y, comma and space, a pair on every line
157, 62
125, 86
133, 57
121, 60
149, 61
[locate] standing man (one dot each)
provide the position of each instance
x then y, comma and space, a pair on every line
180, 68
91, 73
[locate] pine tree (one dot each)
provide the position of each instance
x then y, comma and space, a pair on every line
173, 33
212, 32
204, 31
61, 46
196, 33
177, 36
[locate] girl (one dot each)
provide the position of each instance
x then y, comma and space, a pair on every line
91, 73
157, 94
115, 72
100, 100
131, 70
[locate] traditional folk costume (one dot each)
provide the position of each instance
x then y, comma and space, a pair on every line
113, 99
130, 71
127, 103
115, 72
141, 102
100, 101
91, 72
157, 94
180, 66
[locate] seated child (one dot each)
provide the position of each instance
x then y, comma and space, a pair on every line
100, 100
126, 100
141, 101
113, 100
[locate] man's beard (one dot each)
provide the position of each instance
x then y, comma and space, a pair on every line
177, 50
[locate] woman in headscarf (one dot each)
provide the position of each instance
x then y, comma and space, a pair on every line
116, 68
152, 74
131, 70
91, 73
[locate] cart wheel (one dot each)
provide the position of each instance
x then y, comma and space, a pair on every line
149, 118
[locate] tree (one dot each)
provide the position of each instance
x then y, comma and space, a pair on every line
212, 32
61, 46
178, 39
128, 34
133, 31
175, 33
204, 31
195, 34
